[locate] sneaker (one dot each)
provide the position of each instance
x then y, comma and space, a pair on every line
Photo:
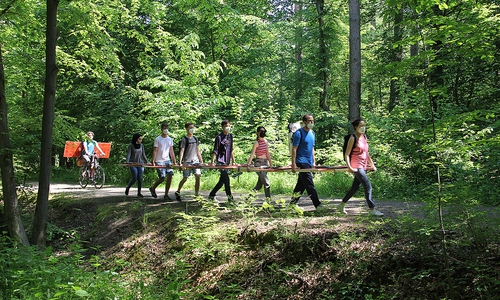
178, 196
140, 196
167, 198
342, 208
126, 191
153, 192
376, 213
213, 198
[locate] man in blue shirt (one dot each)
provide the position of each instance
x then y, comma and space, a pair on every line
303, 157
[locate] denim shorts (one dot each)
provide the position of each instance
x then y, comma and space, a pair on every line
188, 172
162, 173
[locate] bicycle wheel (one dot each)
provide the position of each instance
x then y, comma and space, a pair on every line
83, 177
99, 177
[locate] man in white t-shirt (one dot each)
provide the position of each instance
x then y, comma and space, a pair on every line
163, 155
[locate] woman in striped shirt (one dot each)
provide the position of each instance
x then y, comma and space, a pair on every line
262, 158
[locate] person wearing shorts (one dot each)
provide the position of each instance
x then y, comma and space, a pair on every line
163, 155
189, 155
89, 147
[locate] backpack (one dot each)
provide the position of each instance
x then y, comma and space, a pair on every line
292, 127
186, 143
346, 140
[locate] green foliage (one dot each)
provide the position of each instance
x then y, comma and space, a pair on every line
249, 251
27, 273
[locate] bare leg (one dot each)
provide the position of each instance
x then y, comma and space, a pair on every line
157, 182
196, 184
181, 184
168, 182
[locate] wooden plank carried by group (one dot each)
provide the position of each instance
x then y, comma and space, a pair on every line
243, 168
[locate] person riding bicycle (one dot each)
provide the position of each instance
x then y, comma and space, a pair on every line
89, 146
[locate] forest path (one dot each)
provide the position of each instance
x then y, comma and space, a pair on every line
355, 206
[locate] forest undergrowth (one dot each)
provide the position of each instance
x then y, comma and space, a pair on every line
142, 249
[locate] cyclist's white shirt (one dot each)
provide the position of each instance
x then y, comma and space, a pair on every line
163, 151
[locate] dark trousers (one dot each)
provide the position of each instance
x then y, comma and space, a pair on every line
305, 182
223, 181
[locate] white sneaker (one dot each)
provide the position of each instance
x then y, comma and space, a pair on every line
376, 213
214, 199
342, 208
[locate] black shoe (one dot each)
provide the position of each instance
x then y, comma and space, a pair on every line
178, 196
126, 191
153, 192
140, 196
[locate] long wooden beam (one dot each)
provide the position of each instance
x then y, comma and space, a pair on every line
243, 168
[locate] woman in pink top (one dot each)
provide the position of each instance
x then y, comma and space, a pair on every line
358, 159
262, 158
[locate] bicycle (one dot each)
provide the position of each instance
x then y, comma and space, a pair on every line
93, 173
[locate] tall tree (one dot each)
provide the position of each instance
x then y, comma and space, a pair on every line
299, 31
397, 56
323, 57
40, 221
354, 60
12, 215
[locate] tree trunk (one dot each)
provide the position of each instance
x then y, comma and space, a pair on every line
298, 54
39, 226
323, 57
413, 80
11, 208
354, 60
397, 56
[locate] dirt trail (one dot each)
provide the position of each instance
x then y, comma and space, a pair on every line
355, 206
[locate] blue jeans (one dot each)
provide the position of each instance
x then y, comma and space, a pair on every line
305, 182
360, 178
136, 176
